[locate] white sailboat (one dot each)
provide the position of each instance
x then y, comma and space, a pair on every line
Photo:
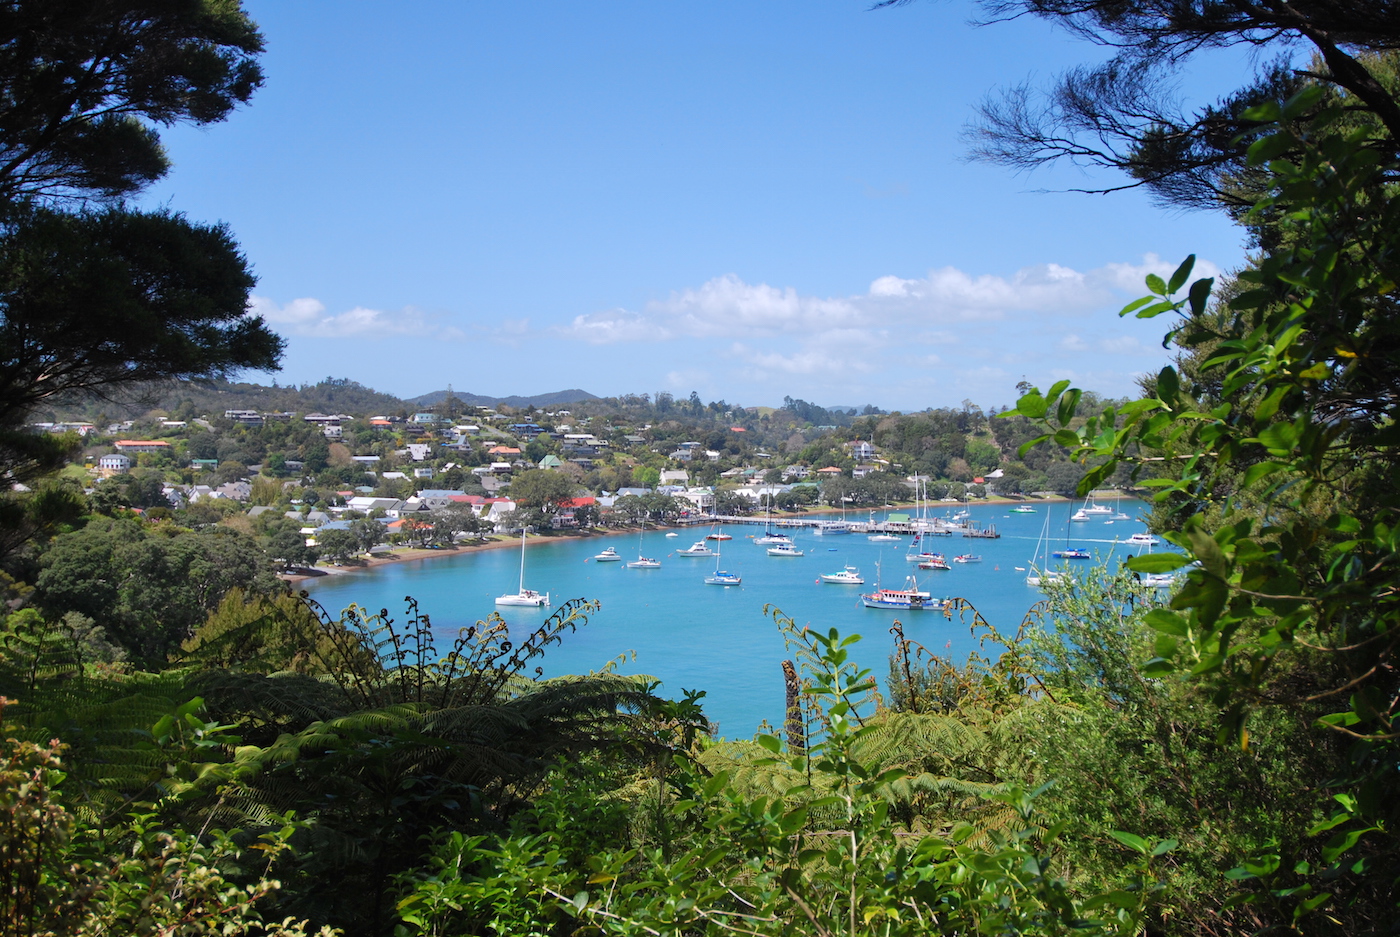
722, 577
1038, 575
643, 562
527, 597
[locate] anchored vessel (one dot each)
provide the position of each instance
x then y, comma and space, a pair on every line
525, 596
850, 576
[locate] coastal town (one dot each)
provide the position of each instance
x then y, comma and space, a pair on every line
334, 487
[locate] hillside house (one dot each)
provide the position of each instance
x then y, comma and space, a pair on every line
129, 446
110, 465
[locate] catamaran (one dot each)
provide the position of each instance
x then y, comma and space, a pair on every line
527, 597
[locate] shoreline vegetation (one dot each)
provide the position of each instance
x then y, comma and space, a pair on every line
410, 554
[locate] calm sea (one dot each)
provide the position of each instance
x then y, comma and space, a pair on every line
696, 636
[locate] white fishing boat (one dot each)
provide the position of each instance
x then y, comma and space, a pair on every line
672, 534
1142, 540
784, 549
698, 548
968, 558
850, 576
526, 597
911, 598
607, 556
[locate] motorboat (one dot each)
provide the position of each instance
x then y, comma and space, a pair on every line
1022, 509
1072, 553
968, 558
718, 535
1120, 516
672, 534
1080, 515
884, 538
698, 548
1142, 540
607, 556
526, 597
936, 561
831, 528
1157, 580
784, 549
850, 576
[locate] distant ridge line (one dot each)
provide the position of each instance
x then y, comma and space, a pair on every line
573, 395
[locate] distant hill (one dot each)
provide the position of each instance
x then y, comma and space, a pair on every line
477, 400
192, 398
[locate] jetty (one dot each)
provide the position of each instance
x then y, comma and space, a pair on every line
927, 526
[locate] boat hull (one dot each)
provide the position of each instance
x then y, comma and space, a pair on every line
902, 601
527, 599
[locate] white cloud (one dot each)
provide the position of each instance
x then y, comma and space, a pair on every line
729, 308
1124, 345
308, 317
1073, 343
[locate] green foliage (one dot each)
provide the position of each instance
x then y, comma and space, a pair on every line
1280, 469
147, 588
57, 878
820, 856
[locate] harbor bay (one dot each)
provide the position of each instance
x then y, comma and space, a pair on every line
669, 624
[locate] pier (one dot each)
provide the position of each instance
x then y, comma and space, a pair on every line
928, 526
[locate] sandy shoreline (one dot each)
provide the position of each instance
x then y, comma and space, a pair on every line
502, 542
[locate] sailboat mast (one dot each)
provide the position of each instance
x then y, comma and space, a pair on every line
522, 561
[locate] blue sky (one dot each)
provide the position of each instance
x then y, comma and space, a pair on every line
747, 199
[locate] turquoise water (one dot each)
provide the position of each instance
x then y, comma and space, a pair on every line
696, 636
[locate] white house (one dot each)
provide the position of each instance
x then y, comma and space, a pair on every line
117, 464
675, 476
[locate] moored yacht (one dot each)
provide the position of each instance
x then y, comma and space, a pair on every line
526, 597
850, 576
607, 556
